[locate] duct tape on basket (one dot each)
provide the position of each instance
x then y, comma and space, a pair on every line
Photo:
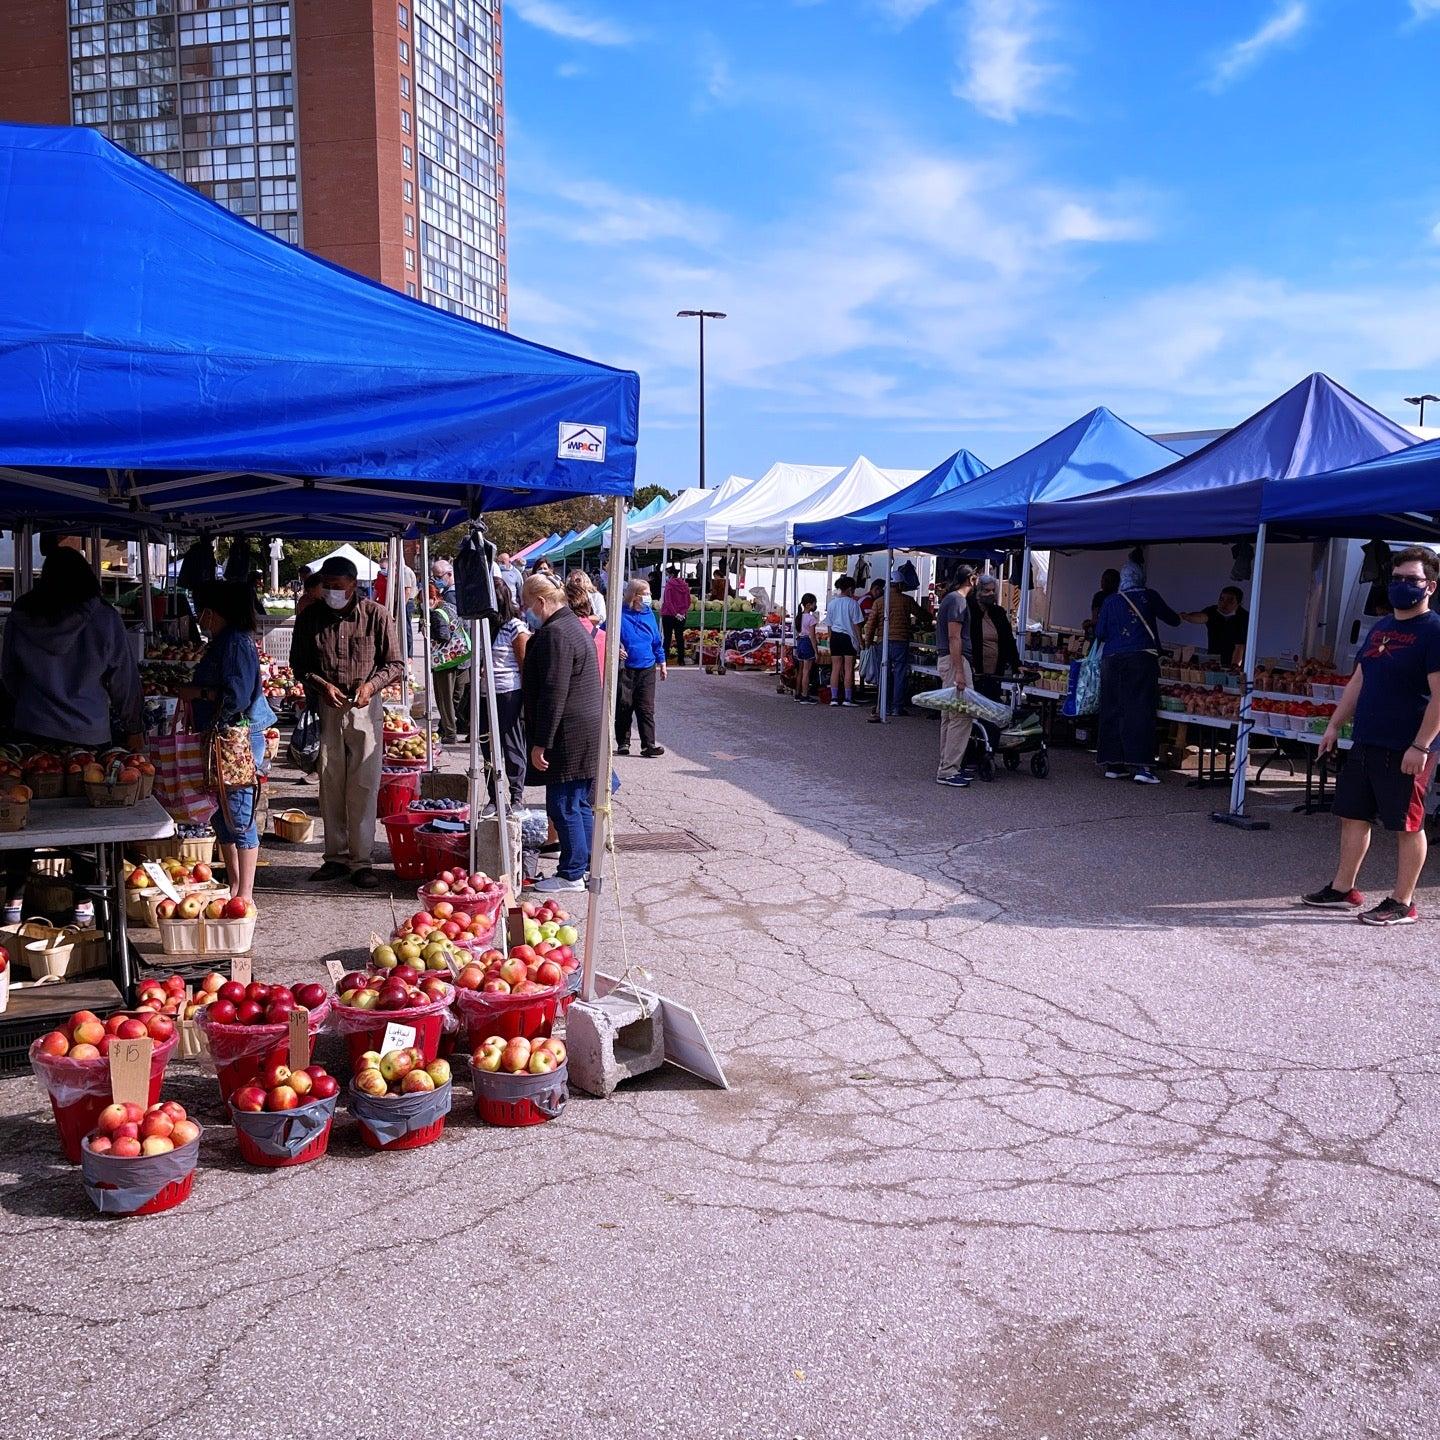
392, 1117
965, 702
285, 1133
119, 1186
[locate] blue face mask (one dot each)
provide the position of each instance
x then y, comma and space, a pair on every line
533, 620
1406, 594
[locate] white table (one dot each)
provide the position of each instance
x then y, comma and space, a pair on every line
77, 825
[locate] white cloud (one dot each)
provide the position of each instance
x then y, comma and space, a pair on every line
569, 24
594, 213
1284, 25
1000, 75
570, 70
906, 10
1424, 9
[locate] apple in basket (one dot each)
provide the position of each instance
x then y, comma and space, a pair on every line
400, 1072
127, 1131
190, 907
238, 908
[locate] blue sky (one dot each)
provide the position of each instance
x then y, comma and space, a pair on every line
937, 223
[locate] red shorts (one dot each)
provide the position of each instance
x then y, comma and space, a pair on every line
1372, 786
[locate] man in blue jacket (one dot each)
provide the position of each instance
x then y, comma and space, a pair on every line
642, 655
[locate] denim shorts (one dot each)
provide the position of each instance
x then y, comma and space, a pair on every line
242, 833
804, 648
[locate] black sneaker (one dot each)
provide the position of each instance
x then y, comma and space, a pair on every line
955, 782
652, 752
1329, 898
621, 750
1390, 912
1116, 772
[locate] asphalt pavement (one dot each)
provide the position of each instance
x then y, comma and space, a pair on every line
1052, 1118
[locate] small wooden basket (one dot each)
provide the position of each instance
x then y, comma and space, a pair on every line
295, 826
46, 784
105, 796
14, 814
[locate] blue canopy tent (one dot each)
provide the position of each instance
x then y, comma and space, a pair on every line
1219, 492
1216, 493
159, 354
1394, 497
163, 363
864, 529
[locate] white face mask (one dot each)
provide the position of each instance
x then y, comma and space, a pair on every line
337, 599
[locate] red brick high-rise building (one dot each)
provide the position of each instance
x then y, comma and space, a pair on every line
368, 131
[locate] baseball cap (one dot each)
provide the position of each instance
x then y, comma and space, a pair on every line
337, 567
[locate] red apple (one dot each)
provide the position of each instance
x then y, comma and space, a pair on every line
100, 1144
129, 1029
110, 1119
310, 995
127, 1147
301, 1083
233, 991
160, 1028
53, 1042
222, 1012
184, 1132
236, 909
324, 1087
83, 1051
249, 1013
249, 1097
157, 1145
273, 1073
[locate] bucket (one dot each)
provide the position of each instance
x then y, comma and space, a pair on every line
530, 1017
276, 1140
237, 1050
365, 1029
397, 789
401, 1122
442, 851
80, 1089
514, 1100
404, 846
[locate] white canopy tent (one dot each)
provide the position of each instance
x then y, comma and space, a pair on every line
780, 488
861, 484
366, 568
647, 532
687, 530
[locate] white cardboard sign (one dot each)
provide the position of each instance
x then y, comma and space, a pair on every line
397, 1037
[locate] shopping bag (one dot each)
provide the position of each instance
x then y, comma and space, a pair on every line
1087, 682
305, 743
179, 760
870, 666
454, 651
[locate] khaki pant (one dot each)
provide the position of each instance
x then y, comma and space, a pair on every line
954, 729
350, 757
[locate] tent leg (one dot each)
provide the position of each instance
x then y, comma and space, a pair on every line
885, 642
1236, 815
24, 558
497, 758
704, 598
602, 797
424, 598
96, 545
724, 618
475, 789
1023, 614
147, 600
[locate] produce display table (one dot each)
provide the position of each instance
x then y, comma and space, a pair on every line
76, 825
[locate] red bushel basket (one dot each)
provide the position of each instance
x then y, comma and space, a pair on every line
365, 1029
530, 1017
237, 1050
78, 1090
397, 789
142, 1185
274, 1139
442, 851
401, 1122
505, 1099
405, 845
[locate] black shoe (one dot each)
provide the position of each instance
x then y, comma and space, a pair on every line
652, 752
553, 848
365, 879
330, 870
1390, 912
1329, 898
621, 750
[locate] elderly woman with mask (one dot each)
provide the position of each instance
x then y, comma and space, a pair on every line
991, 635
1130, 677
642, 657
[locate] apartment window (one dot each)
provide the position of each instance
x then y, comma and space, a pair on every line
404, 52
410, 288
404, 17
405, 87
407, 155
409, 224
409, 258
409, 192
405, 121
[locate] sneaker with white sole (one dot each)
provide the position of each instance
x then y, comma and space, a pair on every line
1390, 912
553, 883
956, 782
1145, 776
1115, 772
1327, 897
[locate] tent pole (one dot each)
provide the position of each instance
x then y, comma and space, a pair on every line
704, 596
724, 618
475, 805
1023, 613
402, 629
602, 798
497, 756
23, 570
95, 546
147, 606
1236, 814
424, 599
885, 641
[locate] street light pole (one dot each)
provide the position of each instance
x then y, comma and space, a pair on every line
1409, 400
702, 316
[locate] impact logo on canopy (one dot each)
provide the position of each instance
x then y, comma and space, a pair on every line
581, 442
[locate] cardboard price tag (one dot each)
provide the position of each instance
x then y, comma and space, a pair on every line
241, 969
397, 1037
130, 1071
335, 970
514, 927
299, 1039
162, 880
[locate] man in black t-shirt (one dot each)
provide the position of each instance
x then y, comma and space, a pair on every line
1394, 699
1226, 623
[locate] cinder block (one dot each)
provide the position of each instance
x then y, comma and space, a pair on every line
611, 1039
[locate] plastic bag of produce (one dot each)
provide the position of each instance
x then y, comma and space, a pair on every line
965, 702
